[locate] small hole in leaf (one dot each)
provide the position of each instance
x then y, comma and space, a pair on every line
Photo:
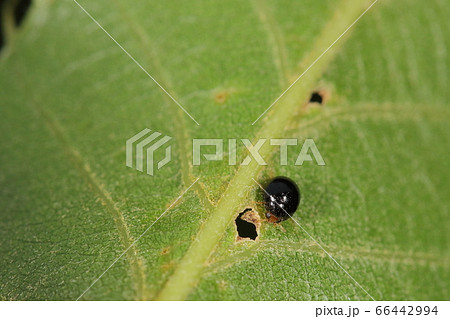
17, 9
316, 97
21, 10
1, 34
247, 224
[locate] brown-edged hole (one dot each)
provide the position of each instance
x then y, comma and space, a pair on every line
19, 12
247, 225
316, 97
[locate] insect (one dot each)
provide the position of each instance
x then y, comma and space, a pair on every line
281, 199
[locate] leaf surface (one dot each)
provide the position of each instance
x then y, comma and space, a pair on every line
71, 98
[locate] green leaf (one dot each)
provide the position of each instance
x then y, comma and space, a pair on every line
71, 97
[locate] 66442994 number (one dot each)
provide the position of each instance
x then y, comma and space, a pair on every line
406, 310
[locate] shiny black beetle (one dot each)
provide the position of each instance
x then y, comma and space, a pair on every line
281, 199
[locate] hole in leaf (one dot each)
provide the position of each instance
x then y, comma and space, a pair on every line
1, 33
247, 225
18, 9
316, 97
21, 10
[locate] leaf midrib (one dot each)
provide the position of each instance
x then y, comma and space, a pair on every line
188, 271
